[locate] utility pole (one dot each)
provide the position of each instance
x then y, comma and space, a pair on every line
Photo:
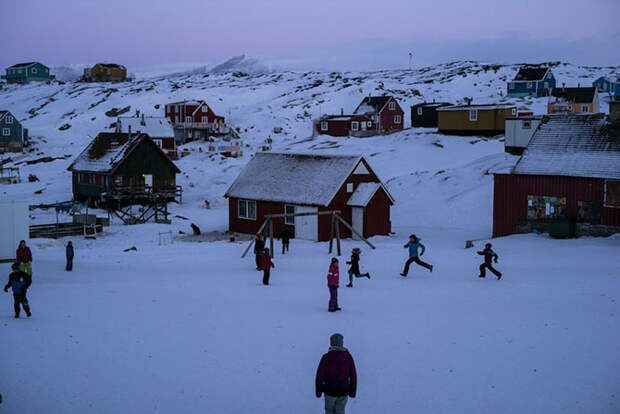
410, 58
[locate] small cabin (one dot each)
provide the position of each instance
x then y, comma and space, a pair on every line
518, 133
105, 72
277, 183
424, 115
114, 161
478, 120
345, 126
13, 136
579, 100
26, 72
531, 81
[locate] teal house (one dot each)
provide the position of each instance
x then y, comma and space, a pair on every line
531, 81
606, 85
26, 72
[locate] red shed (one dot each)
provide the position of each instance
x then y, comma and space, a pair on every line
569, 170
276, 183
345, 125
384, 111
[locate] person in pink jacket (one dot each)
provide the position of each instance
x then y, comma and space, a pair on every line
333, 280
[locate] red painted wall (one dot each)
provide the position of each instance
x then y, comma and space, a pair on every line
188, 110
510, 193
387, 117
377, 215
341, 128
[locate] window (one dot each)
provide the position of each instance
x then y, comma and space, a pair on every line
34, 70
92, 179
6, 132
511, 85
354, 126
514, 111
473, 114
289, 209
188, 119
545, 207
589, 210
527, 124
369, 124
612, 193
529, 85
397, 119
585, 108
204, 120
157, 142
205, 108
392, 106
420, 110
247, 209
324, 126
349, 187
9, 119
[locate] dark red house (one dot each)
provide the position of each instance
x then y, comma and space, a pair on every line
275, 183
193, 120
570, 171
345, 126
384, 111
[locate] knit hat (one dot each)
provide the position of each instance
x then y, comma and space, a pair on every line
15, 266
336, 340
488, 245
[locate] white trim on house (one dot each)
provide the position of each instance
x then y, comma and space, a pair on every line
247, 215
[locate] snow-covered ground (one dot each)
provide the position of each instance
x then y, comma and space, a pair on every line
188, 327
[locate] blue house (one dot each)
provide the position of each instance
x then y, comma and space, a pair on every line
606, 85
12, 134
531, 81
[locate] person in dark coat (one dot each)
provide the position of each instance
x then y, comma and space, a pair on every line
414, 246
24, 257
266, 264
354, 270
259, 245
336, 376
489, 257
19, 282
285, 236
69, 251
333, 281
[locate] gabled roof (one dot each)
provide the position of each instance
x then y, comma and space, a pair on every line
306, 179
574, 146
109, 150
365, 192
481, 107
432, 104
190, 102
531, 74
22, 65
110, 65
342, 117
154, 127
372, 104
576, 95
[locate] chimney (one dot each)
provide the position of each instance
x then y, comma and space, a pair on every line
578, 85
563, 87
614, 111
341, 111
129, 131
142, 121
119, 127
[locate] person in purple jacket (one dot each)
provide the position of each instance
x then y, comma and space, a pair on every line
336, 376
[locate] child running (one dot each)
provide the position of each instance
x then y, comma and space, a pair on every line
333, 280
489, 256
354, 270
413, 245
19, 281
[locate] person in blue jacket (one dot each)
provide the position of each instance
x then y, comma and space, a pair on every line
69, 251
489, 256
414, 246
19, 281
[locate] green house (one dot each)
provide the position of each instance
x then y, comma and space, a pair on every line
26, 72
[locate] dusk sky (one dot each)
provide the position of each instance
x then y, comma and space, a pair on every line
336, 32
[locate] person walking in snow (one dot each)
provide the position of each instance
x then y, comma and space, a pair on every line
414, 245
24, 257
259, 245
354, 270
266, 264
19, 281
336, 376
285, 236
333, 281
489, 257
69, 252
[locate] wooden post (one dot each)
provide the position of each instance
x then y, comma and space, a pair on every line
355, 232
253, 239
273, 253
331, 237
337, 236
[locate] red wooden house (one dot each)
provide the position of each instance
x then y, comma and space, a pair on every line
345, 126
384, 111
569, 173
157, 128
194, 120
273, 183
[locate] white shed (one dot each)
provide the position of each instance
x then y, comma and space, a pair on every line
14, 226
518, 133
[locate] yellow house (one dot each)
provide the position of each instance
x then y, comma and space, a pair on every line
573, 100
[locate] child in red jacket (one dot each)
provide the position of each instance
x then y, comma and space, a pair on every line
333, 279
266, 264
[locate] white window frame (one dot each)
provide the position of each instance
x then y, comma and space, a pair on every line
205, 108
34, 70
324, 126
158, 142
9, 119
6, 132
514, 111
204, 119
392, 106
605, 196
420, 110
529, 85
511, 85
247, 204
546, 85
397, 119
369, 124
349, 187
527, 124
289, 220
585, 108
473, 115
355, 126
188, 119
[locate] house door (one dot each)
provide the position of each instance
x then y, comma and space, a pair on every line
363, 125
357, 221
306, 227
148, 180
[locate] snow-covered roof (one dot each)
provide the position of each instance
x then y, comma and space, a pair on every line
190, 102
478, 107
431, 104
307, 179
154, 127
575, 146
363, 194
531, 74
371, 104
